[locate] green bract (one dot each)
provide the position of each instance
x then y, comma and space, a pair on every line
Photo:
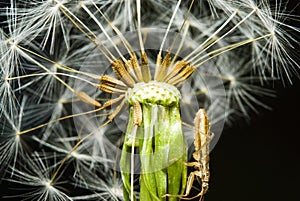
159, 142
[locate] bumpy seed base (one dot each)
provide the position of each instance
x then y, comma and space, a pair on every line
153, 92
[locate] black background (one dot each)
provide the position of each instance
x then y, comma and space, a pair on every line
260, 161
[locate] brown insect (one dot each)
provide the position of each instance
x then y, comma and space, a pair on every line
202, 139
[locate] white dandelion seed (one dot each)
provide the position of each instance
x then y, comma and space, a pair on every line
13, 144
35, 181
84, 157
103, 185
47, 21
242, 89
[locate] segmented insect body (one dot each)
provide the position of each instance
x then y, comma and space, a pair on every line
201, 154
202, 139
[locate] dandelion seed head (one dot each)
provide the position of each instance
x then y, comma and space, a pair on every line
153, 92
117, 190
75, 154
35, 178
18, 134
60, 103
54, 67
47, 183
203, 90
82, 3
57, 6
106, 188
232, 80
6, 81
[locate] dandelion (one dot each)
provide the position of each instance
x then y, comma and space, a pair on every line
37, 175
107, 91
13, 145
104, 187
